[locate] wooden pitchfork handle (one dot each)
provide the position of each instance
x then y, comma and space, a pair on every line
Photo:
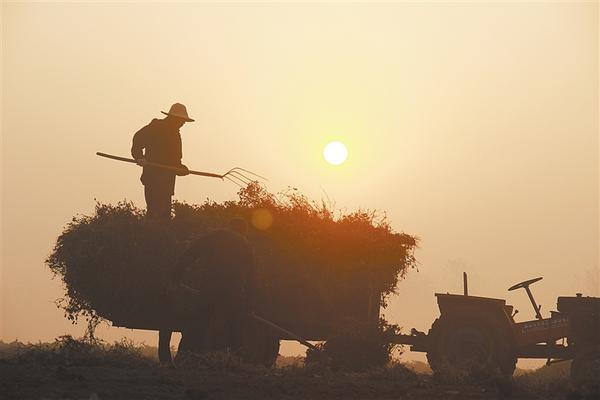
264, 321
152, 164
297, 338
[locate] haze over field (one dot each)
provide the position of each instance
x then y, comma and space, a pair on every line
473, 125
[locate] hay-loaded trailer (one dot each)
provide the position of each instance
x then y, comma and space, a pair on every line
472, 333
305, 313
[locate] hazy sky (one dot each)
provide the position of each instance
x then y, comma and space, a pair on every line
474, 125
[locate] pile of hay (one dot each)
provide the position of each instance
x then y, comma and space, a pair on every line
314, 265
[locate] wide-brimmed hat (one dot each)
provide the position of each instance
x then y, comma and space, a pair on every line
178, 110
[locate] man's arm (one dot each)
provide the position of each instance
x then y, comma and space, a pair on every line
138, 144
185, 170
251, 278
189, 256
179, 151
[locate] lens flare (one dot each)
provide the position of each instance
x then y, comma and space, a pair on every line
262, 219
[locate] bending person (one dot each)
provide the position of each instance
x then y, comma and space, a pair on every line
225, 279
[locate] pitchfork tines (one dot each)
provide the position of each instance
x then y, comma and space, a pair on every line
240, 177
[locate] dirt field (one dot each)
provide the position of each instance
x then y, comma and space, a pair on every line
125, 372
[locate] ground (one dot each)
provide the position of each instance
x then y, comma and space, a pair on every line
74, 371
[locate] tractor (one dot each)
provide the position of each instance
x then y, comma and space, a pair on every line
479, 334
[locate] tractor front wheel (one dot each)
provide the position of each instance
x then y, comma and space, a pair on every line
469, 347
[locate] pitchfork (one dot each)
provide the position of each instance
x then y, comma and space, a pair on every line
235, 175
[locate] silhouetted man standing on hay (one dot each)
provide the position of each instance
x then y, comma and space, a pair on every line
160, 142
226, 285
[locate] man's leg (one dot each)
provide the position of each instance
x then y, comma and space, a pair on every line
236, 328
158, 202
164, 206
216, 335
193, 336
164, 347
192, 341
149, 201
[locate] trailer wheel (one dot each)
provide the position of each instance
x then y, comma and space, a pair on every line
260, 344
470, 347
585, 369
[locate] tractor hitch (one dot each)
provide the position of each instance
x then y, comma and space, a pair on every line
417, 340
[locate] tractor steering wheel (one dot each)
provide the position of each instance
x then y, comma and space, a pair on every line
524, 284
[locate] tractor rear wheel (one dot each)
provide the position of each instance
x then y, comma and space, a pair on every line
470, 347
585, 369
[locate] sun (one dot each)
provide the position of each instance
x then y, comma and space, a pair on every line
335, 153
